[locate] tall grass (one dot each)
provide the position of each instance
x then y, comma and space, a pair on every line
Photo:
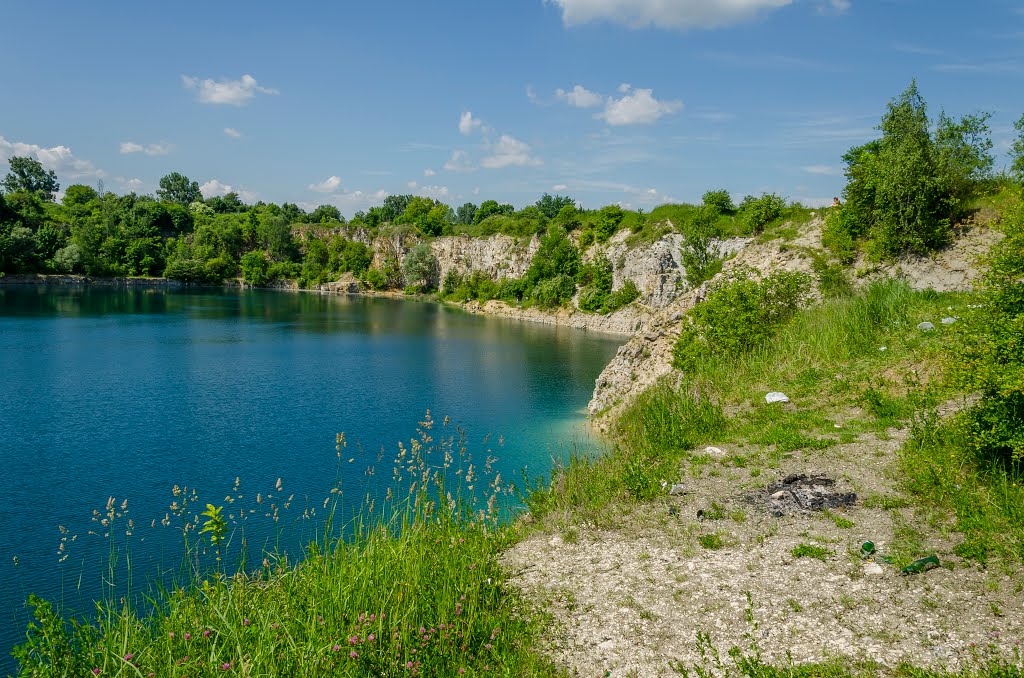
411, 588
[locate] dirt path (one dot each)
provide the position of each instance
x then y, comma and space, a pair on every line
634, 600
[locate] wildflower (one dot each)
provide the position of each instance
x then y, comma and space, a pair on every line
336, 647
246, 622
128, 657
171, 634
95, 672
188, 636
370, 638
488, 646
353, 654
226, 666
206, 633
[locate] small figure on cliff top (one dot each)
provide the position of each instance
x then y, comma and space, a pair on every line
835, 202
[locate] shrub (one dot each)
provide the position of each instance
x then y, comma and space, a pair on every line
420, 267
905, 189
719, 199
375, 279
700, 259
553, 292
739, 314
756, 213
255, 268
624, 296
607, 222
988, 354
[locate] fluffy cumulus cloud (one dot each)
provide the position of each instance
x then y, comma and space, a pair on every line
436, 192
230, 92
133, 184
351, 201
329, 185
468, 124
673, 14
636, 107
509, 152
217, 187
148, 149
60, 159
232, 132
429, 172
459, 162
580, 97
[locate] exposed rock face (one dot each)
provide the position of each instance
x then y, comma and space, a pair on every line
655, 267
648, 356
498, 256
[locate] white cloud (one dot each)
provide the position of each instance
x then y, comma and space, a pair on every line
823, 170
134, 185
559, 187
232, 132
580, 97
436, 192
217, 187
429, 172
677, 14
531, 95
468, 124
459, 162
150, 149
352, 201
232, 92
214, 187
328, 185
60, 159
636, 107
509, 152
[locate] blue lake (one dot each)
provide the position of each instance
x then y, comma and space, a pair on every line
127, 393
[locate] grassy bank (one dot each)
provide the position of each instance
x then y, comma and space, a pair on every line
409, 586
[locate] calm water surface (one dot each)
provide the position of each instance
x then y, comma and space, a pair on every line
114, 393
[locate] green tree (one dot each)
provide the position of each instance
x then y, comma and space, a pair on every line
720, 199
607, 222
420, 267
78, 195
490, 208
466, 214
28, 174
326, 214
551, 205
556, 256
1017, 151
700, 259
255, 269
987, 355
178, 188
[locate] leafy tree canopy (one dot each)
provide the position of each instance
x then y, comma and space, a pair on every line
28, 174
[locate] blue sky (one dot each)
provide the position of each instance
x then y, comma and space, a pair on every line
636, 102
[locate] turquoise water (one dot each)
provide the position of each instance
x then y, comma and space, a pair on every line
127, 393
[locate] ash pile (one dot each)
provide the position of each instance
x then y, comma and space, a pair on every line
800, 493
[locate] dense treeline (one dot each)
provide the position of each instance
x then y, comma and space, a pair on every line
180, 235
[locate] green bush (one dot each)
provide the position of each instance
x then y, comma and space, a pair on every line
719, 199
700, 259
553, 292
255, 268
988, 354
739, 314
906, 189
375, 279
756, 213
623, 296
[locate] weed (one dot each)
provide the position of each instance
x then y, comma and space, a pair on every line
809, 551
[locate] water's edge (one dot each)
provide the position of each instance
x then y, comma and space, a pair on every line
626, 322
